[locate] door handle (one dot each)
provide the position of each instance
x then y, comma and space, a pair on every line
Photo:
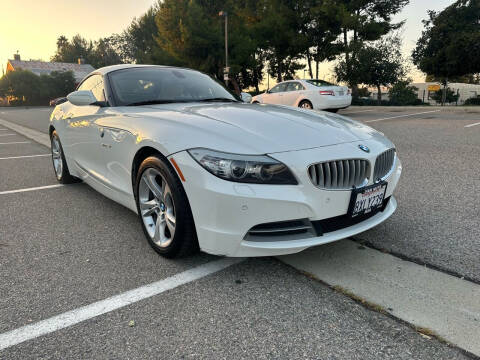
107, 146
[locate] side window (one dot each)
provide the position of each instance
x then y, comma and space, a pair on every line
279, 88
294, 86
275, 89
95, 84
89, 83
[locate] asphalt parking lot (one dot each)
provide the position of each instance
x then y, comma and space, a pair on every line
65, 247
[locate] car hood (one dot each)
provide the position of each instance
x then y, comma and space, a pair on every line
248, 128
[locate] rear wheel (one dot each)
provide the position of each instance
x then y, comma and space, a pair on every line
58, 160
164, 210
305, 104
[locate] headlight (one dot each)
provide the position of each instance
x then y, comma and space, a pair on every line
258, 169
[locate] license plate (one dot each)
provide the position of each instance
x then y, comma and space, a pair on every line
367, 199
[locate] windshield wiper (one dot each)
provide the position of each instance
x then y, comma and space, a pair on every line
219, 99
152, 102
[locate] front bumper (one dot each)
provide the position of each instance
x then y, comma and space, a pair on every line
225, 211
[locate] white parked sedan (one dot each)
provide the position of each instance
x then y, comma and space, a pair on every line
205, 170
307, 94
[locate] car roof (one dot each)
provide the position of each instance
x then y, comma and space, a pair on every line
108, 69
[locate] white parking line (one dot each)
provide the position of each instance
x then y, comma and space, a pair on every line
400, 116
7, 134
87, 312
355, 112
470, 125
30, 189
23, 156
3, 129
16, 142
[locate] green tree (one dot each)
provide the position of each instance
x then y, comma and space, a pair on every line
138, 42
24, 87
378, 64
104, 53
362, 21
321, 25
192, 33
70, 51
447, 96
278, 30
21, 87
99, 53
363, 92
402, 93
57, 84
450, 43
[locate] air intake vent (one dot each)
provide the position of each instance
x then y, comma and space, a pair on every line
339, 174
282, 230
383, 164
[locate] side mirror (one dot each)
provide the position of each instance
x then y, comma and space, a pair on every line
82, 98
246, 97
267, 91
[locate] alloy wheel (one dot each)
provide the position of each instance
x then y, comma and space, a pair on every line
57, 157
157, 207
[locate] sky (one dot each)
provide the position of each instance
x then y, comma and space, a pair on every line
33, 26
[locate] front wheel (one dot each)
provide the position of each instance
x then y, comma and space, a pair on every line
58, 160
333, 110
164, 210
305, 104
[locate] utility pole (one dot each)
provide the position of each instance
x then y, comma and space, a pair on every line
227, 69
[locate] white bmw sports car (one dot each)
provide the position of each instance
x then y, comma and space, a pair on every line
205, 170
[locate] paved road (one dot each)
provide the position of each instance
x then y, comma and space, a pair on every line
67, 247
438, 214
36, 118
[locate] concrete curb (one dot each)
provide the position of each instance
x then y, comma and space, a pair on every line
437, 303
35, 135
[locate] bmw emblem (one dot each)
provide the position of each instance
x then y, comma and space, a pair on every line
364, 148
162, 207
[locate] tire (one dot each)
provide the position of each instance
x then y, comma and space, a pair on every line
333, 110
59, 163
164, 210
305, 104
255, 102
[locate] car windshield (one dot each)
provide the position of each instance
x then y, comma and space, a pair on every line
320, 83
151, 85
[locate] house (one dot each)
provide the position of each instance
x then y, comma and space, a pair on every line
80, 70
